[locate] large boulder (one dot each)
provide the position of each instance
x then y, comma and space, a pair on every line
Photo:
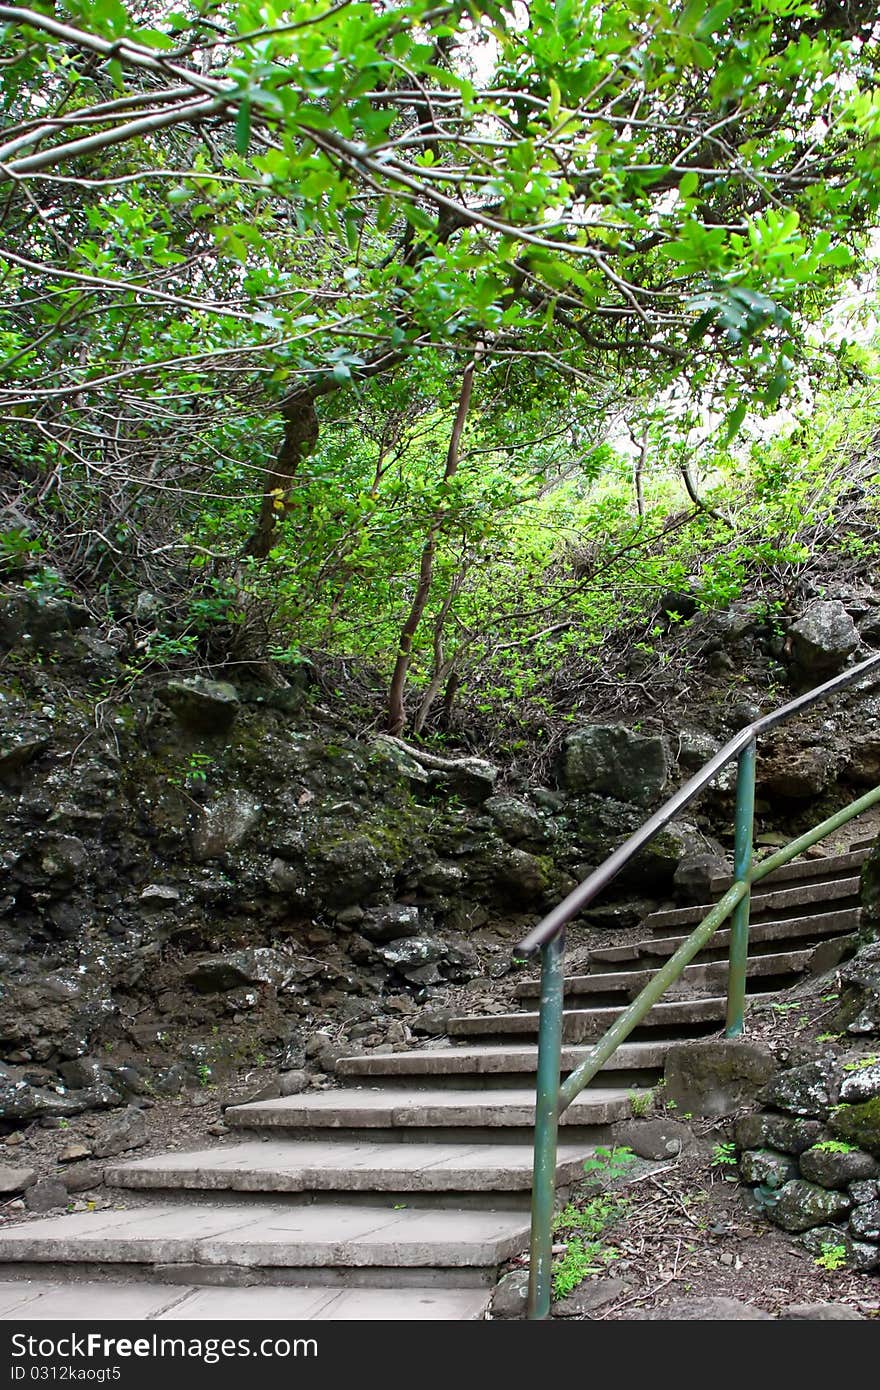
517, 821
859, 1009
833, 1164
615, 761
858, 1124
811, 1089
786, 1132
714, 1078
822, 639
798, 1205
767, 1167
202, 706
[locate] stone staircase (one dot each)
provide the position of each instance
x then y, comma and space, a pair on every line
399, 1194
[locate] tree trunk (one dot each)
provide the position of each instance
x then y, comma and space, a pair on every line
396, 710
300, 438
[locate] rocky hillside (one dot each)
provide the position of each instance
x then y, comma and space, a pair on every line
201, 875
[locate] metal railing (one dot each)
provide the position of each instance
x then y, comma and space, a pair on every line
553, 1096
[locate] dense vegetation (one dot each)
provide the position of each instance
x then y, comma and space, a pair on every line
430, 342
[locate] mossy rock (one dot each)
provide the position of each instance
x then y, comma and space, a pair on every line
859, 1124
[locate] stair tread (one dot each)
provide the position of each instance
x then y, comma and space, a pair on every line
675, 1011
777, 900
794, 928
823, 866
45, 1301
302, 1236
293, 1165
778, 964
351, 1109
500, 1058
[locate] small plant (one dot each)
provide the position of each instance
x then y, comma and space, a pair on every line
610, 1164
723, 1156
831, 1257
835, 1146
203, 1072
581, 1259
861, 1063
640, 1103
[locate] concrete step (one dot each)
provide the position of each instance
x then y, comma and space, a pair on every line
700, 976
252, 1237
817, 927
823, 867
37, 1300
456, 1063
783, 902
388, 1109
305, 1167
581, 1024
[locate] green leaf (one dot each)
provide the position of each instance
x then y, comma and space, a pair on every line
243, 126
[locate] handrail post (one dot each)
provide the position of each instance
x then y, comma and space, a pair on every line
742, 863
546, 1125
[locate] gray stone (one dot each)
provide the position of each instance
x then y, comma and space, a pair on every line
394, 922
717, 1077
127, 1131
798, 772
768, 1167
85, 1177
702, 1310
798, 1205
473, 779
225, 826
412, 952
159, 895
864, 1221
46, 1195
37, 620
202, 706
13, 1180
588, 1296
82, 1071
15, 756
519, 877
864, 1192
785, 1132
72, 1153
511, 1295
859, 1256
820, 1312
861, 1084
834, 1169
659, 1138
518, 822
695, 748
258, 965
695, 874
810, 1090
291, 1083
823, 638
615, 761
858, 1124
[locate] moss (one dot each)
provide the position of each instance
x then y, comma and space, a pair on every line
860, 1124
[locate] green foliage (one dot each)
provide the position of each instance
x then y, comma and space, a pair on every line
835, 1146
609, 1164
581, 1227
723, 1156
831, 1257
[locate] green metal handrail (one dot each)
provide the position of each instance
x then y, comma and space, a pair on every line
553, 1096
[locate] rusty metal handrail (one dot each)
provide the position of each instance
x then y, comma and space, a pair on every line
552, 1096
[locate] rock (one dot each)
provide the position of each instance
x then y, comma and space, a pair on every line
831, 1168
224, 826
346, 872
659, 1138
798, 773
74, 1152
15, 756
768, 1167
159, 895
411, 952
46, 1195
615, 761
82, 1071
811, 1089
37, 620
798, 1205
259, 965
694, 875
591, 1294
292, 1082
777, 1132
864, 1221
13, 1180
472, 779
716, 1077
862, 1192
859, 1124
859, 1009
519, 877
695, 748
518, 822
202, 706
511, 1295
394, 922
127, 1131
85, 1177
859, 1256
702, 1310
861, 1084
820, 1312
823, 638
